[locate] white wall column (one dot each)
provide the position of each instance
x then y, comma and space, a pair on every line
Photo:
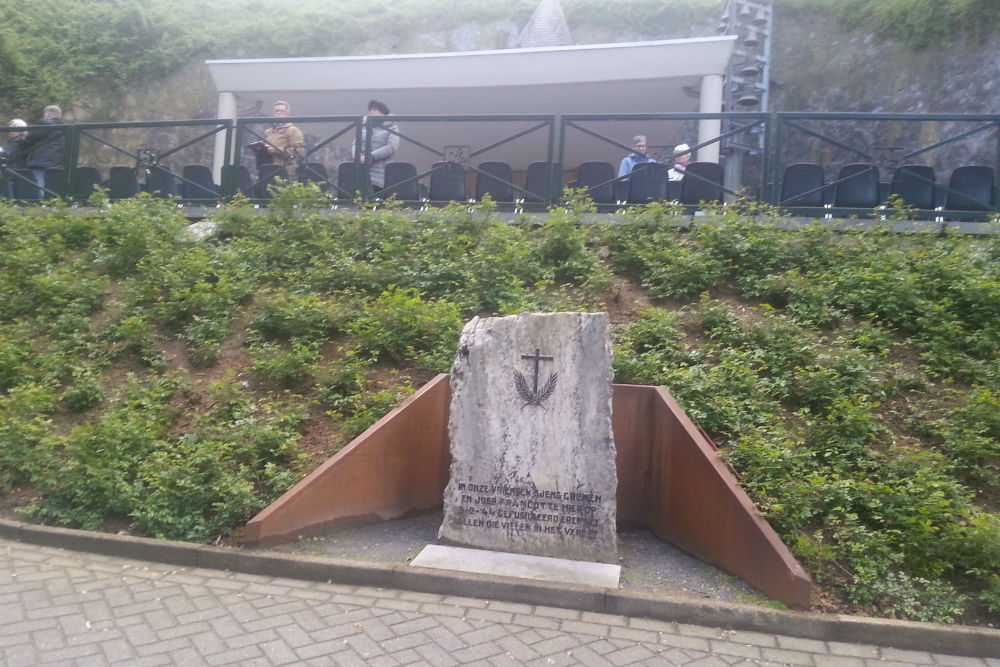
709, 129
227, 109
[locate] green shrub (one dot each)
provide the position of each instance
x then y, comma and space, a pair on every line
400, 326
284, 365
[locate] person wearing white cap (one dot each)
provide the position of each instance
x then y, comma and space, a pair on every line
682, 155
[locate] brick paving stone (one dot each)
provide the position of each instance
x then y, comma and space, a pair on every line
406, 642
22, 654
400, 605
465, 602
852, 650
597, 629
585, 655
546, 622
489, 633
966, 661
786, 656
632, 634
900, 655
686, 642
518, 649
175, 644
476, 653
723, 647
504, 660
491, 615
246, 639
437, 609
278, 652
798, 644
554, 645
437, 656
836, 661
635, 655
442, 636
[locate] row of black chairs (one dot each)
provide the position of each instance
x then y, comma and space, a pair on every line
195, 183
858, 186
649, 181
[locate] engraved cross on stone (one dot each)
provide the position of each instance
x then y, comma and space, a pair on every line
537, 357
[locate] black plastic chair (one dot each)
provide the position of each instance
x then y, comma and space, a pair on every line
268, 175
160, 182
86, 179
647, 182
448, 182
352, 180
914, 184
123, 182
599, 180
542, 181
858, 187
702, 182
496, 180
236, 179
401, 181
314, 172
55, 182
801, 185
974, 185
198, 184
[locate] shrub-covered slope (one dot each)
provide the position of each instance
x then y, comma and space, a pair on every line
173, 387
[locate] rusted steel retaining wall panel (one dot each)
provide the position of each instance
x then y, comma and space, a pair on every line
699, 507
398, 465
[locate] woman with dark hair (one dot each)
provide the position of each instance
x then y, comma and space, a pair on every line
385, 141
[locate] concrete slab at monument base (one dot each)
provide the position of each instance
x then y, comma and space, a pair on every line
670, 478
505, 564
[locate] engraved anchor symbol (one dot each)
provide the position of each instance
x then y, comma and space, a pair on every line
534, 395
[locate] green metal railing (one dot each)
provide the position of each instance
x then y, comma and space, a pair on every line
883, 141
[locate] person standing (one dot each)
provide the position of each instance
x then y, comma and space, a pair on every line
637, 156
45, 148
385, 142
284, 141
13, 153
682, 156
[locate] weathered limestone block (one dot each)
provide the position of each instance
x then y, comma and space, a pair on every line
533, 456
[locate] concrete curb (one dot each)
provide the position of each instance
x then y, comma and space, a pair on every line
952, 640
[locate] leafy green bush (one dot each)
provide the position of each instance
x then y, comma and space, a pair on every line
400, 326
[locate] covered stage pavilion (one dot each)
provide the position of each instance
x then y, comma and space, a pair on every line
683, 75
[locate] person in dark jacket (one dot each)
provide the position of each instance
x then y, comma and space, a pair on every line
13, 154
46, 148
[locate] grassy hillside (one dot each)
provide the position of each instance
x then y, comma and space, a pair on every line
171, 387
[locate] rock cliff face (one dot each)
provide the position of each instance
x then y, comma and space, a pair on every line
822, 68
825, 69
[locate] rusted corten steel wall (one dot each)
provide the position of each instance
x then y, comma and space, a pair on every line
398, 465
689, 498
669, 478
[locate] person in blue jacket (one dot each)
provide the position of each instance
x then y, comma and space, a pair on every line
637, 156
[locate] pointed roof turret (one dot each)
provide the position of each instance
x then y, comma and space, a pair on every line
547, 27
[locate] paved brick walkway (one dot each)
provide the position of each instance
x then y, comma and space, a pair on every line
61, 607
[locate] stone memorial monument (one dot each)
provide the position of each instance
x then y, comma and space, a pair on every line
533, 456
